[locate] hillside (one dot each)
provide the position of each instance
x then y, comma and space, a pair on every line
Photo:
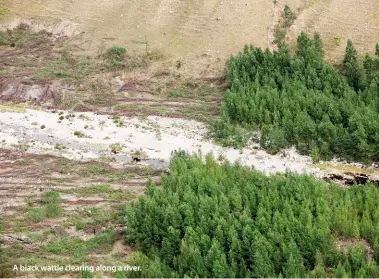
195, 28
189, 138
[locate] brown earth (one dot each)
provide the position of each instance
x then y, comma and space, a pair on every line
45, 71
189, 29
176, 49
345, 19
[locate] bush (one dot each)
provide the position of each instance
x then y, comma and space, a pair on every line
51, 197
289, 16
80, 225
279, 35
3, 11
79, 134
55, 248
116, 55
53, 210
36, 215
116, 147
273, 139
315, 155
59, 146
86, 274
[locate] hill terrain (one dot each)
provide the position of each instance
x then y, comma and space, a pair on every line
215, 28
96, 97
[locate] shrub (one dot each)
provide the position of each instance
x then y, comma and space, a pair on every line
86, 274
55, 248
315, 155
289, 16
116, 148
36, 215
79, 134
116, 55
80, 225
59, 146
337, 40
273, 139
53, 210
51, 197
3, 11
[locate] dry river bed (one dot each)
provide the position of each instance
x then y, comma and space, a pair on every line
86, 136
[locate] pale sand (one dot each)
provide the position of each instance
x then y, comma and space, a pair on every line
158, 137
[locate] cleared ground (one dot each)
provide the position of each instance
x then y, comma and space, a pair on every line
86, 227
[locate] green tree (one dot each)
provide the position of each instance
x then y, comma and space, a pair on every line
352, 69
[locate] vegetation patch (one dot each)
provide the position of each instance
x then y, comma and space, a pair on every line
280, 31
106, 172
116, 147
4, 107
59, 146
222, 220
345, 168
51, 197
303, 101
181, 92
289, 16
79, 249
80, 134
67, 66
3, 11
104, 190
23, 37
116, 55
50, 209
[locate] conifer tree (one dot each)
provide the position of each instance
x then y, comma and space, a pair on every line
280, 225
352, 70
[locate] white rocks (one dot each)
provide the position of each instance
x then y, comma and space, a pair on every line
135, 134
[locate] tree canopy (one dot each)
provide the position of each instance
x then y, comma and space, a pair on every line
299, 99
222, 220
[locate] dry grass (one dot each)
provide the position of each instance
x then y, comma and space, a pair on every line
358, 21
198, 33
345, 168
